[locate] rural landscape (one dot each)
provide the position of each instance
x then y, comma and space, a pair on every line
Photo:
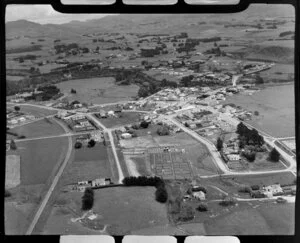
152, 124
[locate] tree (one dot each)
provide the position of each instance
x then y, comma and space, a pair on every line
144, 124
202, 207
163, 131
17, 108
161, 194
87, 199
143, 92
91, 143
256, 113
73, 91
7, 193
78, 145
13, 145
274, 155
219, 144
259, 79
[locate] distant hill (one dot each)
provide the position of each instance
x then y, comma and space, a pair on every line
270, 53
143, 22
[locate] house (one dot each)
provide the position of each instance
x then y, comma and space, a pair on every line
272, 189
233, 157
126, 135
199, 195
110, 113
102, 114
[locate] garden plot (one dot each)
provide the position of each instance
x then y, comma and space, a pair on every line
170, 164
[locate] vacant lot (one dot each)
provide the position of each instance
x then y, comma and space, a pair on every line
122, 209
88, 164
98, 90
39, 157
123, 118
41, 128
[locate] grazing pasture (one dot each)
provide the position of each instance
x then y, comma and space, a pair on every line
98, 90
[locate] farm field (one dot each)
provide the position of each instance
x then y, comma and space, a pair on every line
41, 128
122, 209
98, 90
39, 158
267, 219
276, 107
123, 119
88, 164
19, 208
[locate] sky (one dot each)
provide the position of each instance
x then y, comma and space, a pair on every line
44, 14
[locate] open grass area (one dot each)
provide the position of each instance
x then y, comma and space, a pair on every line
39, 157
124, 118
33, 110
12, 171
19, 207
276, 108
88, 164
266, 219
283, 178
98, 90
201, 160
41, 128
122, 209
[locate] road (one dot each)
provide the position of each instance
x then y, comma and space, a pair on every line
52, 187
109, 132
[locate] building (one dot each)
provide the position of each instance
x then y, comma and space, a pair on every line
126, 135
272, 189
199, 195
233, 157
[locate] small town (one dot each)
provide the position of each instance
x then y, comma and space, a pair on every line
151, 132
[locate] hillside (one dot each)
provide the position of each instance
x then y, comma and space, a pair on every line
270, 53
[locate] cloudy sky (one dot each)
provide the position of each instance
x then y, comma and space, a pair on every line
44, 14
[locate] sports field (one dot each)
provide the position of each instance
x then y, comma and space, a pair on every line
12, 171
39, 157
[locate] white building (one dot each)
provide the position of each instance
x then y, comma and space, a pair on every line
199, 195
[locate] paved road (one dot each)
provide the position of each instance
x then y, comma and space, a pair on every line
52, 187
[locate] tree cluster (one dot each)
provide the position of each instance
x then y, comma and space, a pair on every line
163, 131
248, 136
87, 199
143, 181
274, 155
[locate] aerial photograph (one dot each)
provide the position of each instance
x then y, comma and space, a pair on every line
150, 124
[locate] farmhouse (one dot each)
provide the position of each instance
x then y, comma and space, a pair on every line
271, 190
199, 195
